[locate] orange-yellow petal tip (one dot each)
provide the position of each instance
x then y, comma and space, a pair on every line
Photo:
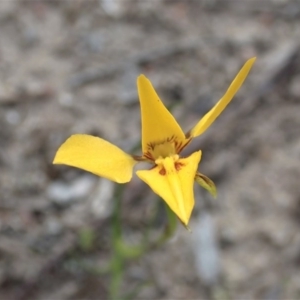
250, 62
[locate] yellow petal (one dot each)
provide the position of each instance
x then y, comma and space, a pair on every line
97, 156
173, 179
158, 124
210, 117
206, 183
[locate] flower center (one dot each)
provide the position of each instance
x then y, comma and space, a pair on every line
169, 165
166, 148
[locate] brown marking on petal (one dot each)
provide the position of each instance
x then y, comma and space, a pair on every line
170, 139
151, 146
171, 143
178, 165
162, 171
182, 146
178, 146
188, 134
138, 158
148, 155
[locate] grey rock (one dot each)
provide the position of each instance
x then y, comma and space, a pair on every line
101, 204
63, 194
206, 250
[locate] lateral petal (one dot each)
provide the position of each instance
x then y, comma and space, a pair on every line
173, 181
97, 156
158, 124
206, 183
211, 116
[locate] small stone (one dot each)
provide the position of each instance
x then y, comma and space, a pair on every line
63, 194
8, 9
206, 250
112, 8
53, 227
127, 92
101, 205
66, 99
12, 117
30, 36
8, 94
95, 41
294, 87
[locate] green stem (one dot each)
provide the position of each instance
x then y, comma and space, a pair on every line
170, 227
117, 259
122, 251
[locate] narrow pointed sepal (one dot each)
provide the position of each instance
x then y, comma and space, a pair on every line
211, 116
173, 179
97, 156
206, 183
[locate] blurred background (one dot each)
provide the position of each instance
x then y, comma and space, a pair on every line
70, 67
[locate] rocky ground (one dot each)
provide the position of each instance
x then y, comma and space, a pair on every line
70, 67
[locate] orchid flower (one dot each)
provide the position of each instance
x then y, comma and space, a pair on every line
171, 176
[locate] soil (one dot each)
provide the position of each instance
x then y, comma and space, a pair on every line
70, 67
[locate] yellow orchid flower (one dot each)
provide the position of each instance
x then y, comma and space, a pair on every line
171, 177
